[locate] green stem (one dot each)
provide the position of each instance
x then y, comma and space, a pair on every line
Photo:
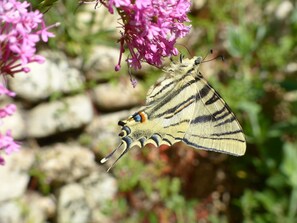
293, 206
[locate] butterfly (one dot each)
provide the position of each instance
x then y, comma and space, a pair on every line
182, 106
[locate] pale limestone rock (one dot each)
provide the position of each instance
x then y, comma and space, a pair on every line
10, 212
198, 4
58, 116
29, 209
284, 9
291, 68
72, 205
117, 96
82, 202
38, 207
54, 75
14, 174
99, 187
95, 20
66, 162
100, 65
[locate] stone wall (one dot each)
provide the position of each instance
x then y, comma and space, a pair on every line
64, 126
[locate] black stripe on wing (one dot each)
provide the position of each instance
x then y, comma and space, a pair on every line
164, 88
176, 109
213, 116
217, 138
161, 90
200, 94
177, 123
232, 119
213, 99
203, 92
173, 95
206, 148
227, 133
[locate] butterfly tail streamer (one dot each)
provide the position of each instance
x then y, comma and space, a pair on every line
125, 150
105, 159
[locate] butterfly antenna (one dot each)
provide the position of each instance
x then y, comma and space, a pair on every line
125, 150
111, 154
185, 48
216, 57
206, 55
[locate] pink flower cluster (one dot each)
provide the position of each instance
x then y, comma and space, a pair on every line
6, 141
20, 30
150, 28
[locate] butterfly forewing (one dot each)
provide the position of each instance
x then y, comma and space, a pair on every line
214, 126
171, 118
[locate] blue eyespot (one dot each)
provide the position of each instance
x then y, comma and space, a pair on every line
137, 117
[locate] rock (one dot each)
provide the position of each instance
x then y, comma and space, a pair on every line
54, 75
82, 202
31, 208
284, 9
99, 187
291, 68
65, 163
38, 208
100, 65
58, 116
10, 212
14, 174
99, 20
198, 4
72, 205
110, 96
15, 123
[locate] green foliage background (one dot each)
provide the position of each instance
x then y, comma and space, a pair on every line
255, 80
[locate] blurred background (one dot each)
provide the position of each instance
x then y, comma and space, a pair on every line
68, 109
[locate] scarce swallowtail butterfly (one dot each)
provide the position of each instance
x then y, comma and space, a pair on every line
182, 106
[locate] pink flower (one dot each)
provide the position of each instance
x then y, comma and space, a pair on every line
6, 140
150, 28
5, 91
7, 110
20, 30
8, 144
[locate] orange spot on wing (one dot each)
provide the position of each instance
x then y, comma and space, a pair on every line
143, 116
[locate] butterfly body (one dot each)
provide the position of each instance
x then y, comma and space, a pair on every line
182, 106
